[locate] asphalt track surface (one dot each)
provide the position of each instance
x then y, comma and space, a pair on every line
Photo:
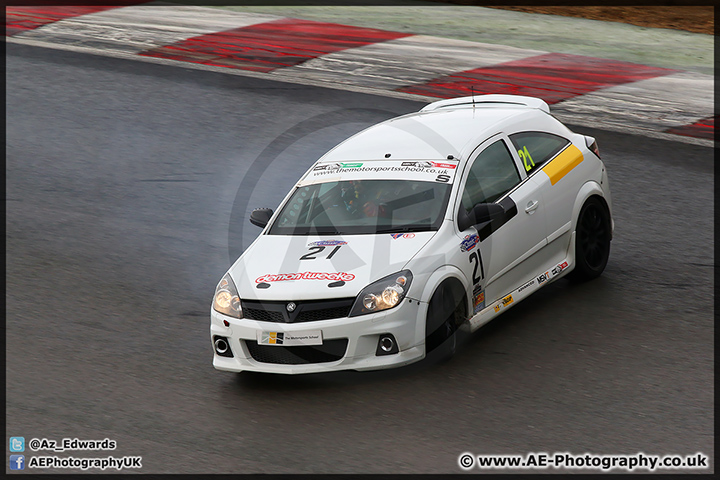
124, 180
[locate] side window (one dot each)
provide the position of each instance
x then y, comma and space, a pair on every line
491, 175
536, 148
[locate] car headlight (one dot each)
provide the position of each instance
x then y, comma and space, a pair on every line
386, 293
226, 298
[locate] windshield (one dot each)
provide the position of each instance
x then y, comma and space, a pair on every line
363, 206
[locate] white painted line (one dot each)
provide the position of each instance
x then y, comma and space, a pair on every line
602, 123
225, 70
657, 103
143, 27
405, 61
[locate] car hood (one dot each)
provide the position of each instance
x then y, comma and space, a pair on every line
273, 263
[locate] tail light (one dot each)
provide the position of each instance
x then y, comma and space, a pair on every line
592, 145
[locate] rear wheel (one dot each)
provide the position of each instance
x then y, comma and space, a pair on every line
446, 312
592, 241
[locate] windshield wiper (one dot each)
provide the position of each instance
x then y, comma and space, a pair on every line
407, 228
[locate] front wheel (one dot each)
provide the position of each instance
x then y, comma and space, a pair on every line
446, 312
592, 241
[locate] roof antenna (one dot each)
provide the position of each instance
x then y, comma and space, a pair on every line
472, 92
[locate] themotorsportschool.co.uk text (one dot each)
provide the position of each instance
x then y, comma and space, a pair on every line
566, 460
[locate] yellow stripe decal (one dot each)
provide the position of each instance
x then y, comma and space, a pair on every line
563, 164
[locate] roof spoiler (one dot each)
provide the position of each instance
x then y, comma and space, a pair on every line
488, 101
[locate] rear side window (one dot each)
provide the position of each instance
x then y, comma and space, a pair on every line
492, 174
536, 148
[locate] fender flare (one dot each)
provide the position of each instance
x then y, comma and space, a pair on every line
442, 274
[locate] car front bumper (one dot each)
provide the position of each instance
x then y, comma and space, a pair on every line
362, 334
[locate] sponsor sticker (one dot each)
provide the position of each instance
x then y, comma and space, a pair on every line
345, 277
543, 277
427, 164
507, 300
385, 169
559, 268
307, 337
327, 243
417, 164
402, 235
444, 165
271, 338
469, 242
478, 300
336, 166
497, 308
528, 284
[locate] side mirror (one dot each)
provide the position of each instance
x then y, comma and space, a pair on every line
487, 212
481, 213
261, 216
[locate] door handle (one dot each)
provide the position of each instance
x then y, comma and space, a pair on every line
531, 206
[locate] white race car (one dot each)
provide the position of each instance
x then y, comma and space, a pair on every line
414, 228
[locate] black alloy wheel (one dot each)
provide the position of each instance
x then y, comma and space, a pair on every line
592, 241
446, 312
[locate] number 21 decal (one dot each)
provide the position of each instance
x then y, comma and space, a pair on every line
476, 258
317, 250
525, 157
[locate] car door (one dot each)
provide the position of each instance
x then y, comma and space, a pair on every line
503, 255
550, 161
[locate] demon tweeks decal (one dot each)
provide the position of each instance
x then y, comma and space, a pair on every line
345, 277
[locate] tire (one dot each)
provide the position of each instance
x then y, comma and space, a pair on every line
592, 241
446, 312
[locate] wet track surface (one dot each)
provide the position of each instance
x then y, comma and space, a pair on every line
122, 180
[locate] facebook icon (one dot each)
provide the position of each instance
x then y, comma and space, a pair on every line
17, 462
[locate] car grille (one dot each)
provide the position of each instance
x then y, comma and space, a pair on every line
262, 315
305, 311
329, 351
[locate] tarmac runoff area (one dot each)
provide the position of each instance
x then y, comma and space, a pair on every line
649, 81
